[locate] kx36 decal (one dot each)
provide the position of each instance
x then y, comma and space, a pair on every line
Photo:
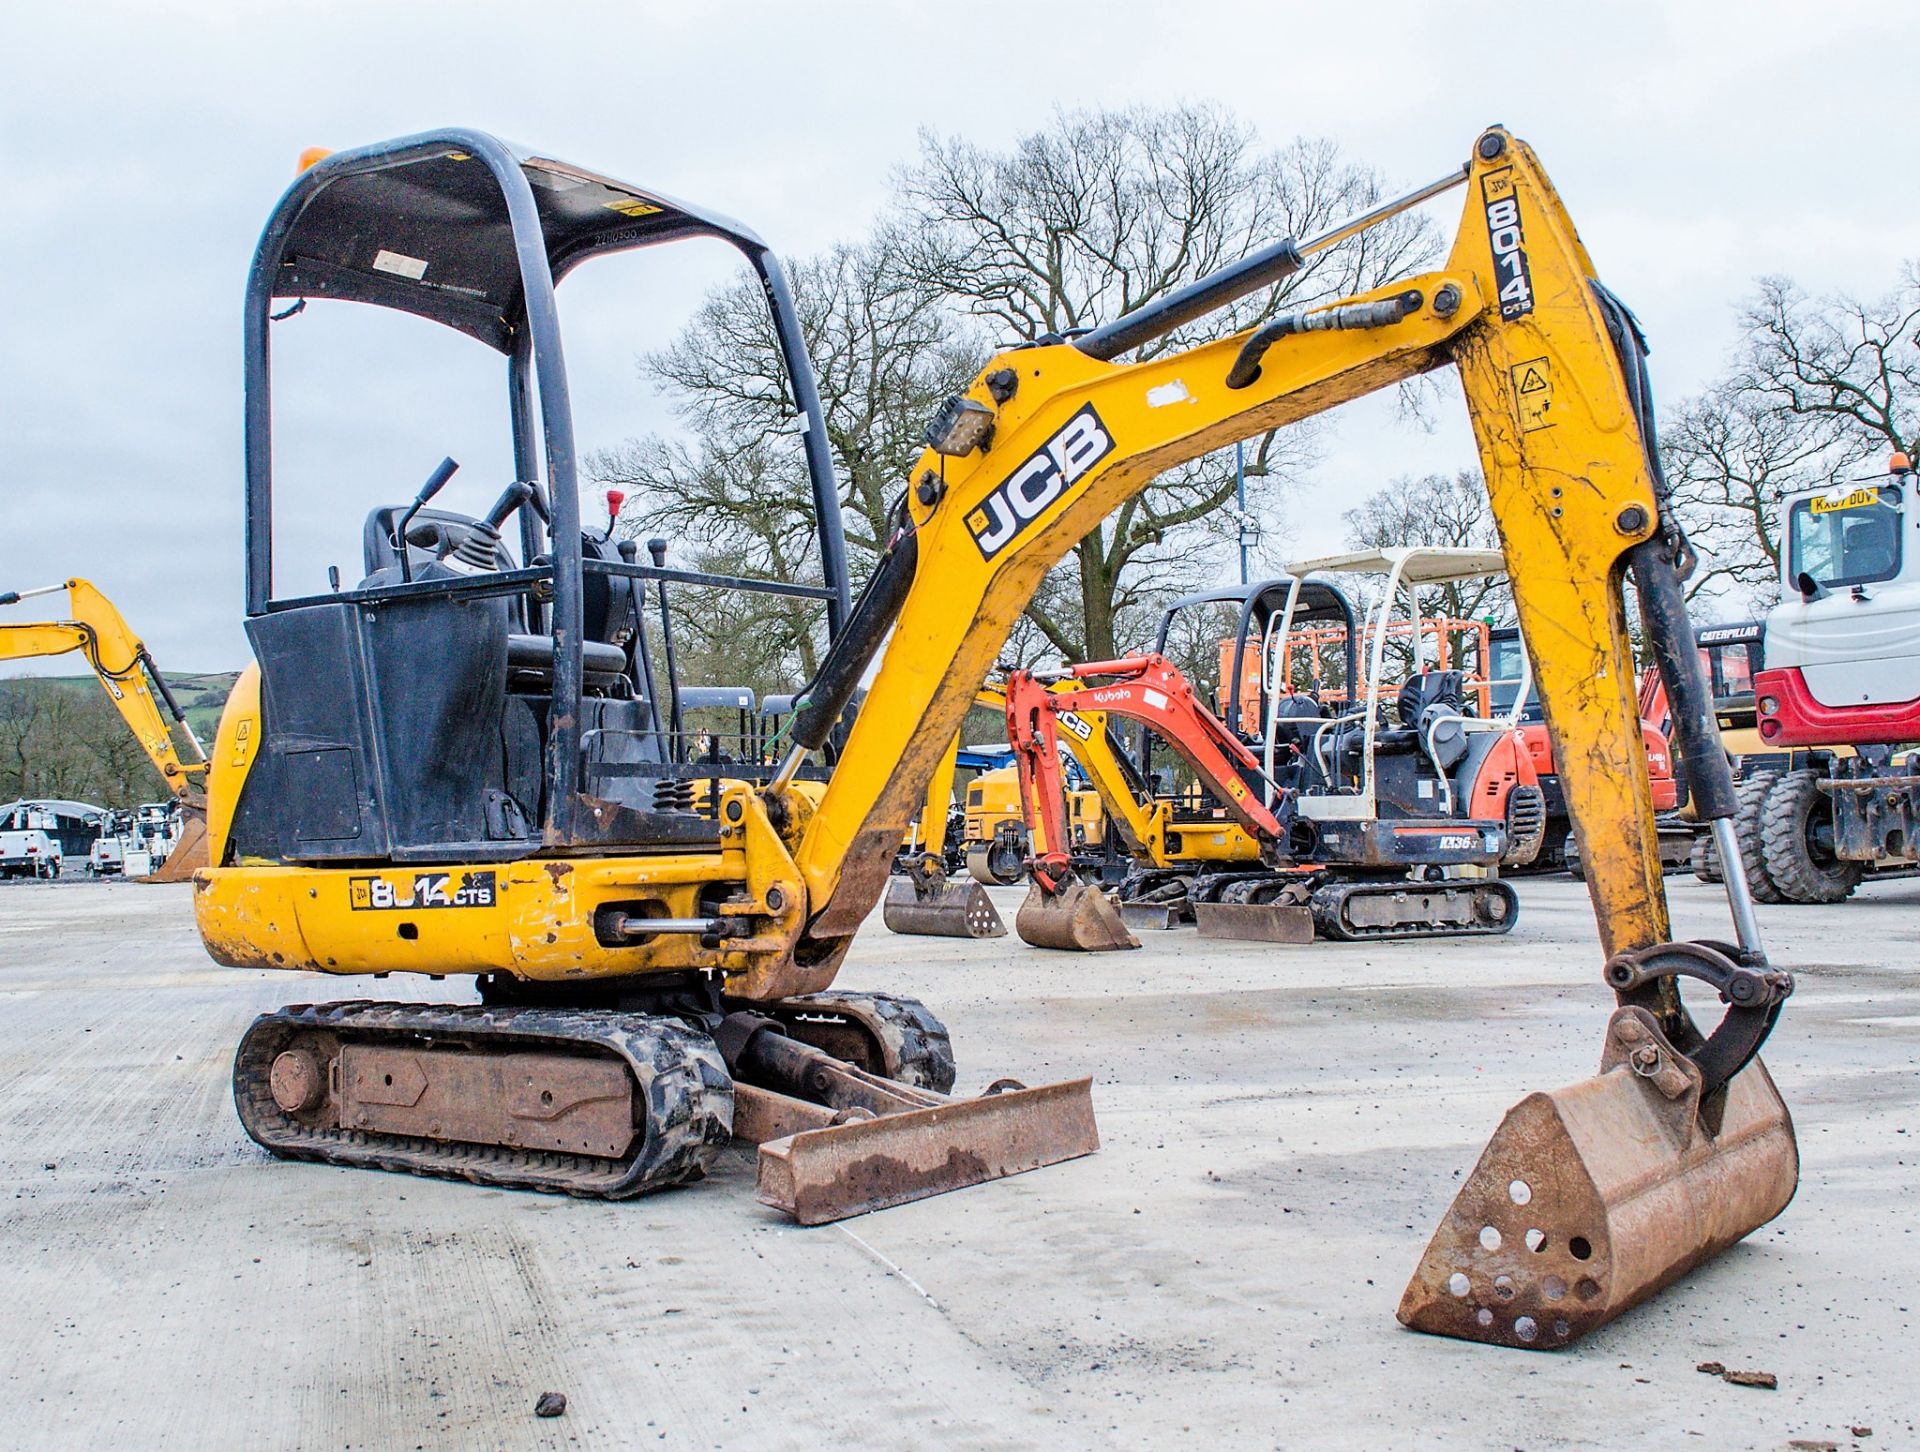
1052, 469
1509, 244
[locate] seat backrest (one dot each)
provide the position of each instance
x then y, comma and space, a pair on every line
1431, 688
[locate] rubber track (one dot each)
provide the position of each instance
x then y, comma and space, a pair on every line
1783, 843
1329, 901
918, 1049
689, 1095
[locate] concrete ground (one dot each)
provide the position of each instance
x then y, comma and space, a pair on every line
1283, 1128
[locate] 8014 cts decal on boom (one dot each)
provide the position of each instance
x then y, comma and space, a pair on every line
1509, 244
1056, 466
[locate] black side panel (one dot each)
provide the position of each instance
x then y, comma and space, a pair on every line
311, 791
383, 731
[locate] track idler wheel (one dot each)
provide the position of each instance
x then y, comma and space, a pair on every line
1078, 918
1591, 1198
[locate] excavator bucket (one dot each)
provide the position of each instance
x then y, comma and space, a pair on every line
1255, 922
1079, 918
1594, 1197
189, 853
837, 1170
940, 908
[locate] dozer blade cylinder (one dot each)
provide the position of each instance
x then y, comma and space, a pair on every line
1255, 922
1079, 918
1592, 1198
827, 1174
948, 909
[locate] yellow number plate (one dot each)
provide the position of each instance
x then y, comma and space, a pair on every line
1859, 499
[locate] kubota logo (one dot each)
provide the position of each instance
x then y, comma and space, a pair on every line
1052, 469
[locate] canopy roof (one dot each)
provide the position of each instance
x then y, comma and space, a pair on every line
425, 225
1420, 564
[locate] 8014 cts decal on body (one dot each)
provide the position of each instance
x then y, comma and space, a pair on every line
428, 890
1052, 469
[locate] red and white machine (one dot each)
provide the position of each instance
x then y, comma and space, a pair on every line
1842, 668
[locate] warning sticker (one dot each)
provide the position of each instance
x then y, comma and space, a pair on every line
633, 207
1533, 394
399, 264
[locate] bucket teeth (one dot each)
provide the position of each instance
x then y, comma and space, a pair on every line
942, 908
1591, 1198
1079, 918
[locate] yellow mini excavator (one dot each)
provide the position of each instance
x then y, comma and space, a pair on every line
457, 767
96, 629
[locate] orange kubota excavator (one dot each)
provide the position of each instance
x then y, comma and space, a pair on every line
457, 765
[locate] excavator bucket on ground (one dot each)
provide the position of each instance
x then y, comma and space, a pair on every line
1591, 1198
940, 907
189, 854
1078, 918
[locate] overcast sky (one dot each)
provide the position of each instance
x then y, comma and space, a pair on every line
142, 145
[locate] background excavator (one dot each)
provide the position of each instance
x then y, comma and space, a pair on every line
1360, 810
451, 767
98, 631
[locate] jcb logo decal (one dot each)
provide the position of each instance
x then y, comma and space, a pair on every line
1509, 244
1077, 725
1054, 468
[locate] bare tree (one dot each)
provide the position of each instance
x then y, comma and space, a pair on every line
1102, 212
733, 491
1435, 509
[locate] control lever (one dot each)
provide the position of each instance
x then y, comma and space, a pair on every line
436, 481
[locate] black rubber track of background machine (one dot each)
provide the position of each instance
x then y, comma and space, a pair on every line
916, 1044
1791, 805
1329, 921
1750, 803
688, 1093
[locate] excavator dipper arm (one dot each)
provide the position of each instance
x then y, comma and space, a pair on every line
1674, 1152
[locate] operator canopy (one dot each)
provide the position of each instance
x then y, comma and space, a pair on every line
425, 225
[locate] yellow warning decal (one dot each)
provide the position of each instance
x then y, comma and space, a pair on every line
1533, 393
1237, 790
1859, 499
633, 207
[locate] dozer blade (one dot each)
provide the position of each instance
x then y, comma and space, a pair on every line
1255, 922
827, 1174
189, 853
1594, 1197
1079, 918
947, 909
1153, 917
